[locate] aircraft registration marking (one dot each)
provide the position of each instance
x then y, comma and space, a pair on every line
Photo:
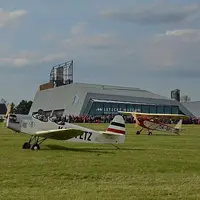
85, 136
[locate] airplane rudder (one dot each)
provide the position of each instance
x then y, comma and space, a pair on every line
179, 124
117, 125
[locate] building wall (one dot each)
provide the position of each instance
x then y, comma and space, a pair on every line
76, 97
193, 107
69, 97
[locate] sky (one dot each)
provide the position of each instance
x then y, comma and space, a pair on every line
152, 45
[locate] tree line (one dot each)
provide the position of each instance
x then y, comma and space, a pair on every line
22, 108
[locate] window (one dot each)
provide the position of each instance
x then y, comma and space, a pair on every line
138, 108
122, 107
167, 110
175, 110
107, 109
160, 109
114, 109
145, 108
130, 108
98, 108
152, 109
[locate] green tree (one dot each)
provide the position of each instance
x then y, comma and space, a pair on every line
23, 107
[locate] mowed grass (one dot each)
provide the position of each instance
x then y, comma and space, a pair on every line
161, 166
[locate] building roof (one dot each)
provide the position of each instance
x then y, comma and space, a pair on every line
193, 107
3, 109
118, 90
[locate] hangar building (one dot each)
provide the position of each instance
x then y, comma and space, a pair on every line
60, 94
91, 99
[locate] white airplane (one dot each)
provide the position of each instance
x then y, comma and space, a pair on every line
40, 130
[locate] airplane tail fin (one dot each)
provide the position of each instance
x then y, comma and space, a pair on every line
178, 126
117, 126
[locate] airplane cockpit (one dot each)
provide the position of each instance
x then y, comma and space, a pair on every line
40, 115
57, 120
52, 117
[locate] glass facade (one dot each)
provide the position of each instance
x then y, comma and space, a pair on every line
152, 109
112, 108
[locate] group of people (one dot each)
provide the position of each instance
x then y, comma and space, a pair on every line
97, 119
61, 120
108, 119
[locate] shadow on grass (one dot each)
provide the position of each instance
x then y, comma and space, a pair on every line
165, 134
92, 150
108, 150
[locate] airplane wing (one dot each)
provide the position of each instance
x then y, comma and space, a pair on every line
125, 113
155, 115
60, 134
163, 127
159, 115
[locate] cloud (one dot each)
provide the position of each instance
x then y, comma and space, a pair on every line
184, 35
175, 50
166, 52
181, 32
95, 46
17, 62
155, 13
9, 18
73, 46
78, 28
14, 61
52, 57
98, 41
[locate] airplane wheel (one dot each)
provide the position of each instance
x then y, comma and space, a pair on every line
138, 133
35, 147
150, 133
26, 145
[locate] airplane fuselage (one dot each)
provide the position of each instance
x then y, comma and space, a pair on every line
150, 125
30, 125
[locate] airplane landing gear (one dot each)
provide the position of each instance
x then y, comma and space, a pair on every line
35, 147
26, 145
138, 132
150, 133
33, 143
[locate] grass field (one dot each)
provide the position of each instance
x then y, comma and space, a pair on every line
161, 166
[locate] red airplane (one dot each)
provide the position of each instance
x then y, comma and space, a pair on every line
158, 122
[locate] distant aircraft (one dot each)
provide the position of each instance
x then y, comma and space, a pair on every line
152, 122
40, 128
